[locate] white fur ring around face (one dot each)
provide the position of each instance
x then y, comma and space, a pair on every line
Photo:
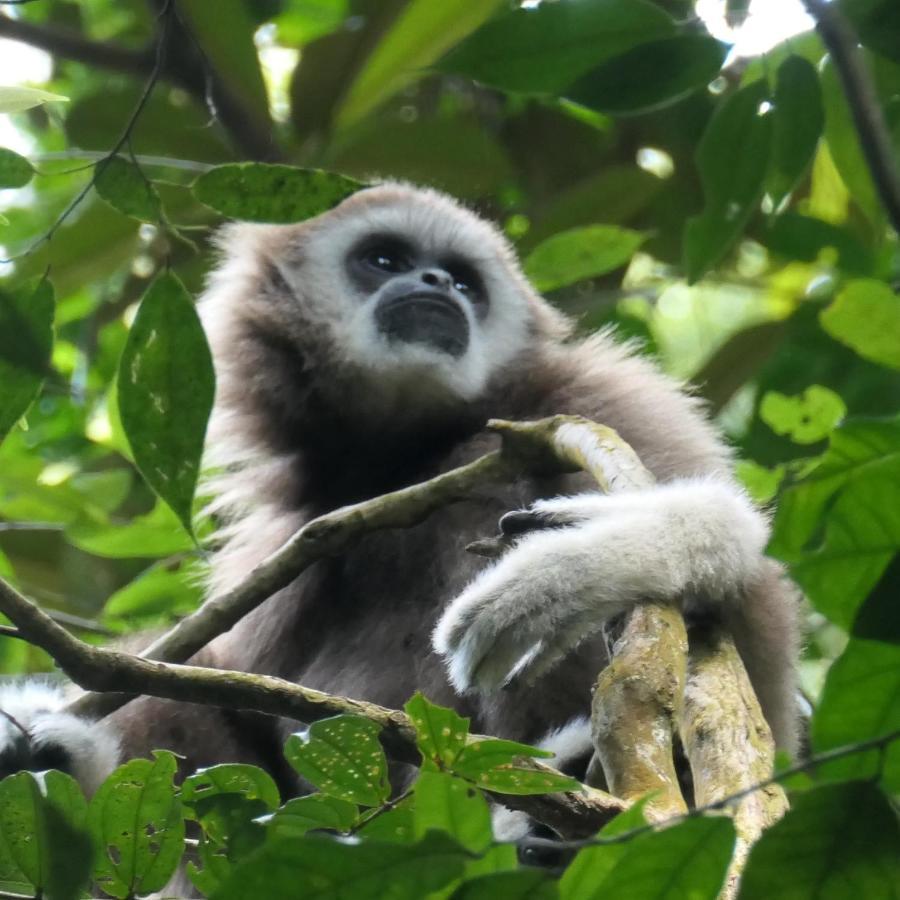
700, 537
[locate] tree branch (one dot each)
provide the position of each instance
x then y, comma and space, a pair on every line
874, 137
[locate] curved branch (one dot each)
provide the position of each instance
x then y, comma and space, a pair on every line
874, 137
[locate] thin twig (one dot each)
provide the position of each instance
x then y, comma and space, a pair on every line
874, 137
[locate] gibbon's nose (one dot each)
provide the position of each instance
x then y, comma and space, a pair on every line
437, 278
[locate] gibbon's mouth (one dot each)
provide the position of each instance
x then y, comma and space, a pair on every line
425, 317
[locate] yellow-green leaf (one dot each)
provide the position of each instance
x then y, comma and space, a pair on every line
15, 98
865, 315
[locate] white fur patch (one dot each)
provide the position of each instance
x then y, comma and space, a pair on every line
694, 538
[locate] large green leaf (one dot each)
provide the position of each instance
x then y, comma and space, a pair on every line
684, 862
861, 701
524, 884
15, 170
581, 253
877, 22
43, 839
544, 50
257, 192
122, 184
650, 76
448, 804
26, 339
341, 870
799, 120
440, 732
135, 819
839, 527
423, 32
166, 387
313, 812
733, 156
154, 534
342, 757
836, 842
865, 315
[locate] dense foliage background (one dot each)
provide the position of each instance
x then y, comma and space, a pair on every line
719, 209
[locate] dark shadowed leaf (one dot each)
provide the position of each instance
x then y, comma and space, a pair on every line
257, 192
684, 862
440, 732
526, 884
732, 157
448, 804
797, 125
230, 778
136, 822
544, 50
580, 253
877, 22
26, 339
343, 758
861, 701
122, 184
798, 237
166, 387
651, 75
835, 842
317, 811
343, 869
43, 838
15, 170
865, 315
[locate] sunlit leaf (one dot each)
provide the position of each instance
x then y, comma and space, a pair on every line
836, 841
732, 156
544, 49
865, 315
166, 387
257, 192
15, 170
343, 758
26, 340
798, 122
15, 98
650, 76
861, 701
341, 870
422, 33
448, 804
304, 21
440, 732
122, 184
580, 253
807, 418
135, 819
43, 837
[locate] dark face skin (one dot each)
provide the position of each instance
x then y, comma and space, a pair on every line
420, 296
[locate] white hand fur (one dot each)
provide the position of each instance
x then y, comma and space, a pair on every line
696, 539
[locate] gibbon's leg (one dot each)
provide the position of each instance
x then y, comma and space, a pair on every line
696, 540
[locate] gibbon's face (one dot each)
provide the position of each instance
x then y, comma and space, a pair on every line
414, 290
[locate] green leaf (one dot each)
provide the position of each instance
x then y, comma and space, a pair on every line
543, 50
304, 21
340, 870
230, 778
343, 758
482, 756
684, 862
732, 157
135, 819
166, 387
396, 826
15, 98
861, 701
580, 253
158, 533
43, 841
877, 22
26, 340
159, 594
423, 32
804, 238
440, 732
865, 315
491, 764
835, 842
650, 76
257, 192
122, 184
15, 170
841, 135
525, 884
807, 418
317, 811
448, 804
798, 122
839, 527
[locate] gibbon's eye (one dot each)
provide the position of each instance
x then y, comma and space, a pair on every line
387, 256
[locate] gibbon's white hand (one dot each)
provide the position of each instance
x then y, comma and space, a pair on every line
698, 540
